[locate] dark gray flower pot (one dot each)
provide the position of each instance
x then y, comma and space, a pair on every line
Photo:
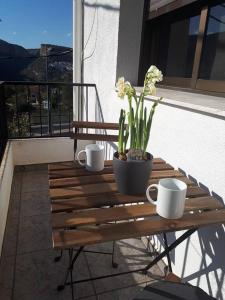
132, 176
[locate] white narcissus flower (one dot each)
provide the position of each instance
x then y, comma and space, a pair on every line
154, 74
150, 89
120, 87
123, 88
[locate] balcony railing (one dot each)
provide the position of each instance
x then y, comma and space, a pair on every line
41, 109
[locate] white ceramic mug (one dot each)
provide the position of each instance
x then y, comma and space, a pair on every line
94, 157
170, 199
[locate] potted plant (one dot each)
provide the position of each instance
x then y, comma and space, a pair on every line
132, 167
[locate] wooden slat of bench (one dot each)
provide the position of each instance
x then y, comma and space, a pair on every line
71, 164
94, 137
104, 188
60, 205
68, 177
95, 125
104, 215
93, 235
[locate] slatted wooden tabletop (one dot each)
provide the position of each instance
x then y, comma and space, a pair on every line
87, 208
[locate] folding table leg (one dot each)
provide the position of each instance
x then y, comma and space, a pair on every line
169, 248
168, 254
114, 264
57, 258
71, 272
72, 260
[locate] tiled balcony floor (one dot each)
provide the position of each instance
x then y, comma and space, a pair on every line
28, 270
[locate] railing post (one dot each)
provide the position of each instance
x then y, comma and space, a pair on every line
49, 111
3, 122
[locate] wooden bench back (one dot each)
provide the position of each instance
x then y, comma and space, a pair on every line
77, 135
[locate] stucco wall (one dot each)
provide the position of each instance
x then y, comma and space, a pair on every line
101, 23
46, 150
195, 143
191, 141
6, 176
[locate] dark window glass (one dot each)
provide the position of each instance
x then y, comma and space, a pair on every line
181, 48
213, 55
173, 43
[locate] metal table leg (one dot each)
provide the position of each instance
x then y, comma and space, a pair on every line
144, 270
168, 254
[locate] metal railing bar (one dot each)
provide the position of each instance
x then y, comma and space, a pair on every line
39, 101
43, 83
17, 114
28, 101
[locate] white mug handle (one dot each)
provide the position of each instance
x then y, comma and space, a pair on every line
148, 195
80, 162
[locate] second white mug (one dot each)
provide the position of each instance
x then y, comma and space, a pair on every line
94, 160
171, 197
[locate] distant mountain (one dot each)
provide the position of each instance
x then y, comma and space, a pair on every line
18, 63
7, 49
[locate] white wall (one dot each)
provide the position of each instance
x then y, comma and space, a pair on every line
195, 143
44, 150
191, 141
6, 176
101, 23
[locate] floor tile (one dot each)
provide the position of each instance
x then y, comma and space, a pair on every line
10, 238
104, 247
35, 181
122, 294
35, 203
34, 233
16, 183
7, 272
129, 259
5, 294
37, 274
41, 167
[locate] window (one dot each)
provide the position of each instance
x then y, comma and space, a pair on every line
188, 45
176, 46
213, 54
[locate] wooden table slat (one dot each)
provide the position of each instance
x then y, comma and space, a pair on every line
104, 188
67, 165
101, 216
87, 202
83, 180
78, 172
92, 235
71, 164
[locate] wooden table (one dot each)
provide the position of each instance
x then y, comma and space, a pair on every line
86, 205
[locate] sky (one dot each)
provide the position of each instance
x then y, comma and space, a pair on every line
30, 23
